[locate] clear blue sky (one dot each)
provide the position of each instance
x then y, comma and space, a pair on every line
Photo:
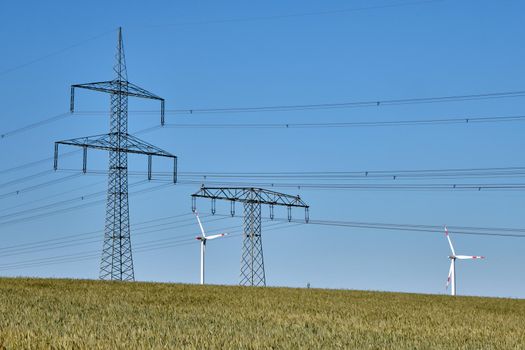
234, 54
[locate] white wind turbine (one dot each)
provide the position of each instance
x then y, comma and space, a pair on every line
451, 280
203, 238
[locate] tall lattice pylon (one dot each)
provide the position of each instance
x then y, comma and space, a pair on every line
252, 259
117, 259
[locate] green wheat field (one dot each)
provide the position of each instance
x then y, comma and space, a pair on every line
81, 314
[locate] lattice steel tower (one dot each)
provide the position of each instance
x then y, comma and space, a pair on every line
117, 259
252, 260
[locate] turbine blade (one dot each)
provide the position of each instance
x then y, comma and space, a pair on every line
449, 274
467, 257
449, 241
200, 224
217, 236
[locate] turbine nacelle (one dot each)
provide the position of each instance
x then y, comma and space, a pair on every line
206, 238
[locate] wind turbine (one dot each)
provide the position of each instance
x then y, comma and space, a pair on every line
203, 238
451, 279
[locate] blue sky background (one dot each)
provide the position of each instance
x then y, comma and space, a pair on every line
235, 54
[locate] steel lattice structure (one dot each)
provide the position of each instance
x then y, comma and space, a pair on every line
117, 259
252, 260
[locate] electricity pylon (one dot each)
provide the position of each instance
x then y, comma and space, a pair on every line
117, 260
252, 261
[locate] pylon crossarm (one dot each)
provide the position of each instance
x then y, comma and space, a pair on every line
129, 144
118, 87
250, 194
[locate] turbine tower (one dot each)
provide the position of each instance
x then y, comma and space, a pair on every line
203, 238
451, 279
252, 261
117, 260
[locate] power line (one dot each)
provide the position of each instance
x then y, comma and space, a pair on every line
49, 196
26, 178
73, 237
417, 228
166, 243
89, 256
142, 247
421, 122
340, 105
462, 230
81, 206
395, 174
63, 202
354, 186
332, 186
73, 240
34, 163
40, 185
54, 53
320, 106
294, 15
34, 125
87, 237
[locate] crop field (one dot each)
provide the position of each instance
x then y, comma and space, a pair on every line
79, 314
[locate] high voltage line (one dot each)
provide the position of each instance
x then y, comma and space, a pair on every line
57, 244
350, 104
34, 125
165, 221
67, 201
421, 122
26, 178
40, 185
168, 243
160, 244
142, 247
337, 175
34, 163
342, 186
200, 177
47, 197
54, 53
217, 21
410, 228
353, 186
293, 15
321, 106
68, 242
512, 172
68, 209
462, 230
393, 175
72, 237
